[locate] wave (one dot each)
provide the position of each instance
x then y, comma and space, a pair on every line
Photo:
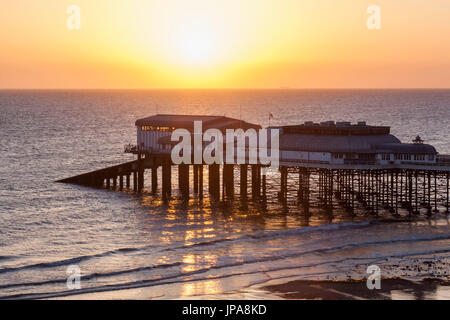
2, 258
251, 261
322, 228
170, 279
69, 261
93, 275
255, 236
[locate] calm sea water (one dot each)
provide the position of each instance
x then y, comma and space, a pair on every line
122, 240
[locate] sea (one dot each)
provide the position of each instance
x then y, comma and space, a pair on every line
125, 245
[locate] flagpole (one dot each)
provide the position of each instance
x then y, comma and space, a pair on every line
240, 115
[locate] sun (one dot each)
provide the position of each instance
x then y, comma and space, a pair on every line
196, 47
196, 44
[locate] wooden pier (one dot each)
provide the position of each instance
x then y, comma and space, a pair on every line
410, 188
325, 165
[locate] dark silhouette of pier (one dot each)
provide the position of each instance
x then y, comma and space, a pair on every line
410, 189
328, 164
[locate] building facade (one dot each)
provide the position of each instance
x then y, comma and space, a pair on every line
353, 144
153, 133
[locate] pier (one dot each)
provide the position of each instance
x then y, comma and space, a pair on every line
325, 165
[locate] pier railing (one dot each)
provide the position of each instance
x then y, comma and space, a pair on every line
130, 148
443, 159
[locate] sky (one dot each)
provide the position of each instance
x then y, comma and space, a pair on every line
224, 44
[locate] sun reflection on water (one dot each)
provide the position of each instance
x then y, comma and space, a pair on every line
195, 262
208, 287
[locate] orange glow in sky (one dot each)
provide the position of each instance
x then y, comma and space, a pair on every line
224, 44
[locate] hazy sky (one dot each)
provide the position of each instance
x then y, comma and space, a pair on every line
224, 44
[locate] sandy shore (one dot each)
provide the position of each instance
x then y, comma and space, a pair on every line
403, 278
357, 289
391, 289
416, 278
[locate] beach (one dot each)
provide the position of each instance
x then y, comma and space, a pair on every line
424, 278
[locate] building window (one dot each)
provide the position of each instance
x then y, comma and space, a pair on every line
367, 155
160, 129
349, 155
338, 155
431, 157
385, 156
419, 157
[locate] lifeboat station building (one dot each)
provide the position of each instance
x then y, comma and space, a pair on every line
153, 133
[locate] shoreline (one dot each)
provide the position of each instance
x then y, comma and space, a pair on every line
391, 289
411, 278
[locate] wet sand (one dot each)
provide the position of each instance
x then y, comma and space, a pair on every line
357, 290
416, 278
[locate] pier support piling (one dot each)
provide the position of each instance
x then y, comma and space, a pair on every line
214, 181
448, 191
200, 181
154, 180
183, 180
256, 181
166, 180
243, 181
195, 171
283, 184
228, 181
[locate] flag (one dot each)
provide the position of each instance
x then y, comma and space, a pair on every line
270, 116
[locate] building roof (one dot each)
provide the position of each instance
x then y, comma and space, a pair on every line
187, 122
343, 137
415, 148
336, 128
334, 143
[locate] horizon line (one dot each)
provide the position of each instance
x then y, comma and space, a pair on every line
221, 88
